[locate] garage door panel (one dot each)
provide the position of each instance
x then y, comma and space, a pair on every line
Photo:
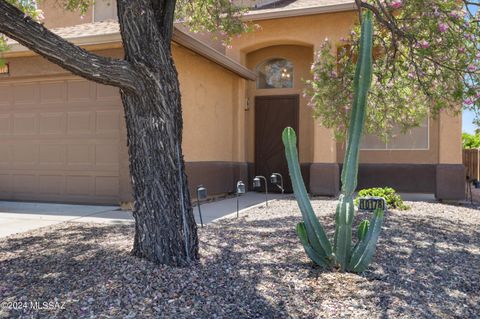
5, 154
7, 96
25, 155
80, 185
25, 183
81, 155
5, 127
53, 93
106, 186
60, 141
108, 122
80, 92
51, 184
25, 95
5, 184
107, 93
52, 155
52, 123
81, 123
25, 124
106, 155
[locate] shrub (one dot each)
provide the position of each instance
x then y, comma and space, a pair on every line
392, 198
470, 140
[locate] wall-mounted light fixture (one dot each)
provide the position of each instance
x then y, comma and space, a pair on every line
240, 191
277, 179
201, 195
257, 183
247, 104
4, 69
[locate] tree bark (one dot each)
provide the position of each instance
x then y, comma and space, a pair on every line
166, 231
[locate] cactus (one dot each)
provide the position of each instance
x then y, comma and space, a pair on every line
310, 231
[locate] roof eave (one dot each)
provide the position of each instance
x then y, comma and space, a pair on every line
278, 14
179, 37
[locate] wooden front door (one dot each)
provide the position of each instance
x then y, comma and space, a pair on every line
272, 115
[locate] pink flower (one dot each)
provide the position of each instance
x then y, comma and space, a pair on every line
442, 27
454, 15
333, 74
395, 4
472, 68
468, 101
424, 44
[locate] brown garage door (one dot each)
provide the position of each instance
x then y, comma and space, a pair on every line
59, 141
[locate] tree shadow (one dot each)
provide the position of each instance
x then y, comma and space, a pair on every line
426, 266
83, 266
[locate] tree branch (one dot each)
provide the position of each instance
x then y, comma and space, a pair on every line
164, 11
17, 26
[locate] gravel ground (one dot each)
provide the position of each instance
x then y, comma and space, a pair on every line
427, 266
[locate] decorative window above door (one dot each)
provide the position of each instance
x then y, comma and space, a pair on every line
275, 73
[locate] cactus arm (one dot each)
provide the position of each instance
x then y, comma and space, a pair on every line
345, 209
343, 231
315, 232
363, 229
363, 253
316, 257
362, 81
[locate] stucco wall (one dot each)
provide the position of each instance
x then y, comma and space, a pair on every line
213, 106
56, 16
444, 133
301, 57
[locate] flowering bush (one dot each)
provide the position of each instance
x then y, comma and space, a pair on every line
426, 59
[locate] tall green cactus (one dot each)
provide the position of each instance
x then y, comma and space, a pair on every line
310, 231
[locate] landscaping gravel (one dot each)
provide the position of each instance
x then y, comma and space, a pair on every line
427, 266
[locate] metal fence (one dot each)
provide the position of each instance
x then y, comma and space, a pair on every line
471, 160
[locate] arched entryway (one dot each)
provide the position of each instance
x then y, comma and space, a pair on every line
276, 102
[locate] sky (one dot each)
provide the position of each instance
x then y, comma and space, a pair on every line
467, 116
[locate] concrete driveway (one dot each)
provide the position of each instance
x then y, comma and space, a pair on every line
18, 217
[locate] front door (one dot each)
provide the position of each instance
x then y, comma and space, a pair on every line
272, 115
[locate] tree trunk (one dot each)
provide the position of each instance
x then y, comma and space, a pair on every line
166, 231
165, 228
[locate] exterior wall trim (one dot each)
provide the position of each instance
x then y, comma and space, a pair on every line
278, 14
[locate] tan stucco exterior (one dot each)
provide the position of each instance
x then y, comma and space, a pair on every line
219, 105
299, 33
56, 17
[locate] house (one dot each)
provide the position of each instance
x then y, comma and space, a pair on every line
63, 138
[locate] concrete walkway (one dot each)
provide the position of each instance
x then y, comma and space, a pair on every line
18, 217
222, 208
